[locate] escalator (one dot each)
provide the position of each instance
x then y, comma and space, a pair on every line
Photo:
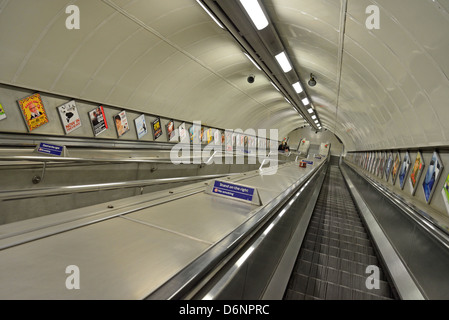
336, 251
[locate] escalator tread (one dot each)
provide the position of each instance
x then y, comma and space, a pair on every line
336, 250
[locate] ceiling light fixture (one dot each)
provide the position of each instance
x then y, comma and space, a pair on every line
274, 86
283, 62
255, 12
310, 110
305, 101
251, 59
297, 87
210, 14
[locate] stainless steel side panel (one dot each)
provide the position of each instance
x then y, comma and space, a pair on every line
201, 216
117, 259
134, 250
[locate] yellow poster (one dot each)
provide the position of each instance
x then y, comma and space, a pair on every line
33, 111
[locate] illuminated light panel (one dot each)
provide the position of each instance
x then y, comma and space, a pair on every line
283, 62
255, 12
251, 59
297, 87
210, 14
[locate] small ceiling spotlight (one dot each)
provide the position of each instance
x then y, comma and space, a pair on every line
312, 81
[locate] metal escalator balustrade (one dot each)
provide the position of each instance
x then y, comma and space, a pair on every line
336, 251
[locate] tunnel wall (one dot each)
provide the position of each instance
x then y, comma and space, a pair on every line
436, 208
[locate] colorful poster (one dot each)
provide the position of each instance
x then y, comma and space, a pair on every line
229, 138
33, 111
209, 135
171, 132
183, 133
121, 123
388, 166
69, 116
141, 126
433, 174
157, 129
217, 137
395, 171
98, 120
382, 165
2, 113
445, 193
417, 170
195, 134
405, 167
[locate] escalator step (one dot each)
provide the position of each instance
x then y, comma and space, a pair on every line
336, 251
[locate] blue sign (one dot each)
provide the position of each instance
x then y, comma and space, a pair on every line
308, 162
50, 149
233, 190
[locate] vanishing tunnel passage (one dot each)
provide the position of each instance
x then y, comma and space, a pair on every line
336, 252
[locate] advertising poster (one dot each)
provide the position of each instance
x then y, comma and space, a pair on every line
157, 129
403, 172
171, 132
141, 126
445, 192
69, 116
382, 165
433, 174
417, 170
228, 139
183, 133
98, 120
388, 166
121, 123
395, 171
2, 113
209, 135
217, 137
33, 111
376, 168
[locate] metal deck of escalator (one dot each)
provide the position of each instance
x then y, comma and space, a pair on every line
336, 250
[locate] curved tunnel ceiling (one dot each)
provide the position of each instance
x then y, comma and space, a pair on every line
169, 58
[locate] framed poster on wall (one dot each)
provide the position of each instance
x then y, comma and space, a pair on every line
433, 174
121, 123
33, 111
445, 193
415, 175
388, 165
157, 129
69, 116
2, 113
382, 165
171, 132
141, 126
396, 165
183, 133
376, 169
403, 172
98, 120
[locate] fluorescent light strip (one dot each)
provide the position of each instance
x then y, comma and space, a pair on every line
313, 117
287, 100
283, 62
255, 12
297, 87
305, 101
310, 110
210, 14
251, 59
274, 86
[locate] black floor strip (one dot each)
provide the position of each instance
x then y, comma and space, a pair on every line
336, 251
